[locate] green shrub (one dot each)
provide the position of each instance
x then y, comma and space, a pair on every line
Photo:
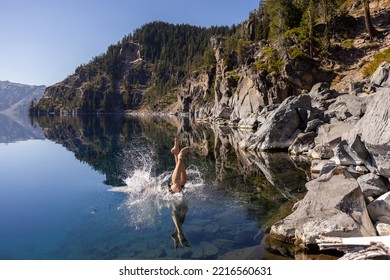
297, 53
370, 67
347, 44
269, 61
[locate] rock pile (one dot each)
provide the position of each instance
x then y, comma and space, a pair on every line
347, 137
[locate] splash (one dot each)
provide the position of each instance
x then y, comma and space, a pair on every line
147, 194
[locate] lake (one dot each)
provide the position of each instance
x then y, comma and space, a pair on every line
91, 187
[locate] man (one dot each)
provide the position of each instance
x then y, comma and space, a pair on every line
179, 175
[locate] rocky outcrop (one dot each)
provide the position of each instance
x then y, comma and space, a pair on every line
348, 143
381, 77
282, 125
372, 134
373, 185
342, 214
328, 137
380, 207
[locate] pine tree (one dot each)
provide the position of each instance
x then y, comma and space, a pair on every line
284, 15
372, 32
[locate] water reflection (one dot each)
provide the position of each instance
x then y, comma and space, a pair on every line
179, 212
120, 146
114, 146
18, 128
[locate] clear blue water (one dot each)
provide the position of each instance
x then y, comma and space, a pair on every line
91, 188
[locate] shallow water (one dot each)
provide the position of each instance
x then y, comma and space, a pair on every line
93, 188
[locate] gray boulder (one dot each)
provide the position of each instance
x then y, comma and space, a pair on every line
343, 155
342, 214
381, 76
248, 98
321, 167
313, 125
382, 229
372, 185
282, 125
302, 144
370, 138
322, 96
329, 135
380, 207
348, 106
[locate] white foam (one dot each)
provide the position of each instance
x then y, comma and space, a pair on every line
147, 195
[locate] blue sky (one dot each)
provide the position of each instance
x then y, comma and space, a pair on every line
43, 41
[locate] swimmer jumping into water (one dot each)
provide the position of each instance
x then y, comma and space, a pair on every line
179, 175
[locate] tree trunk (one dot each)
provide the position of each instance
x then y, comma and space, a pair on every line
372, 32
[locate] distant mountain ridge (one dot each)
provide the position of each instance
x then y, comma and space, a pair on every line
15, 99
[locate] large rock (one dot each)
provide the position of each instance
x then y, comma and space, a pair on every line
380, 207
248, 98
370, 138
342, 214
343, 155
246, 93
282, 125
348, 106
372, 185
381, 76
322, 96
329, 135
303, 143
382, 229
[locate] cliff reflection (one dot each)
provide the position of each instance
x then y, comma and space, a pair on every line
107, 143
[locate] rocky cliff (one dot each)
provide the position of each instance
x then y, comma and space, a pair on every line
229, 75
345, 136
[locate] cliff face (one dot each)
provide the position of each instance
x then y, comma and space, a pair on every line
237, 94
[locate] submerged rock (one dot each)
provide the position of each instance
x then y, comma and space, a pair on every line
208, 249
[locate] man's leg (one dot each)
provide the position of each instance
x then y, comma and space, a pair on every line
183, 174
179, 175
